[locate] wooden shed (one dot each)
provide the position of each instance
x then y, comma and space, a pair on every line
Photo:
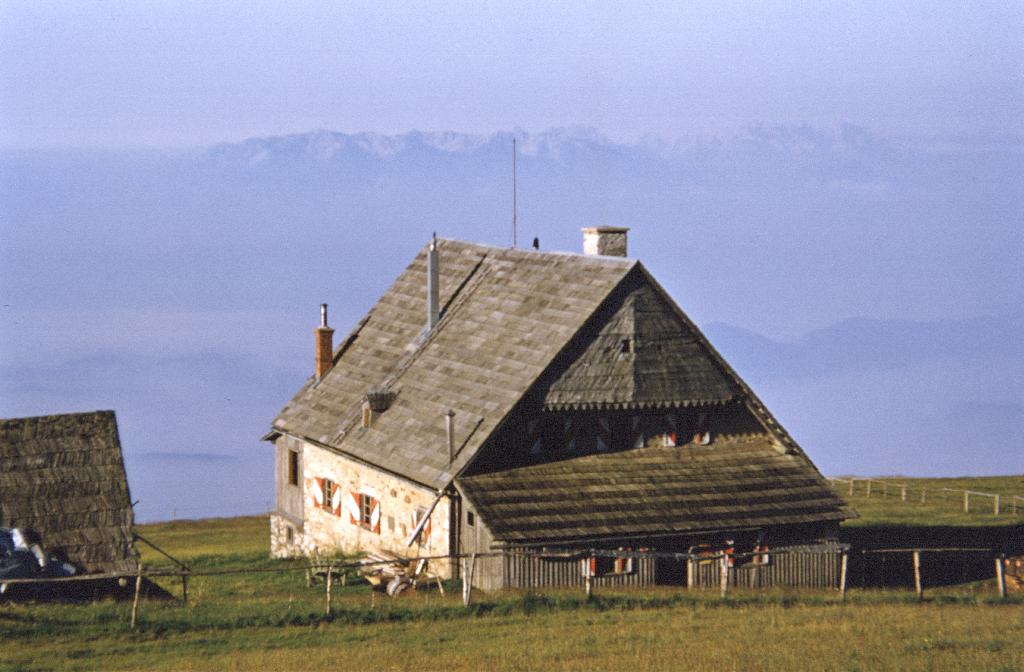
62, 478
507, 400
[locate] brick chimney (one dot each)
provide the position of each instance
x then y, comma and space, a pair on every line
324, 344
609, 241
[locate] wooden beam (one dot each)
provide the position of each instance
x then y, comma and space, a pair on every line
135, 600
467, 581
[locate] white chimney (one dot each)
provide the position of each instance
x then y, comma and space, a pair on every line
608, 241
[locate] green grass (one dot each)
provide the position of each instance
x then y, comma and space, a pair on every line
940, 508
273, 621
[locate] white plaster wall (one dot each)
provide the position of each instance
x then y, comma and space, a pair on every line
326, 533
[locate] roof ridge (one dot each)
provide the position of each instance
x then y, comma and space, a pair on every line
524, 252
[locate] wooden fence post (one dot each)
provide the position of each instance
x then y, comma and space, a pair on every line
467, 581
923, 495
330, 580
842, 575
184, 588
869, 487
588, 585
1000, 577
851, 487
903, 492
135, 600
967, 501
725, 574
917, 575
995, 506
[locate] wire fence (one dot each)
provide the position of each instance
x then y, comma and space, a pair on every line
970, 501
728, 568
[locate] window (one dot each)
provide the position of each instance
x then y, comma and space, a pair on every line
293, 467
289, 534
328, 488
366, 510
470, 519
626, 346
424, 536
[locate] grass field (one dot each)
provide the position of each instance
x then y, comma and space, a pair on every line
273, 621
940, 507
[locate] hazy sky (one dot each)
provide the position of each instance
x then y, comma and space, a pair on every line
191, 73
863, 204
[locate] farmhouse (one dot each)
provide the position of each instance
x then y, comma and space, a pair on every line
518, 400
62, 480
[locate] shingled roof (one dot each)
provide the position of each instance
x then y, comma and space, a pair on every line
506, 314
740, 483
669, 362
62, 476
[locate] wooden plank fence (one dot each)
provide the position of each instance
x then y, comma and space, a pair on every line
819, 568
814, 567
996, 503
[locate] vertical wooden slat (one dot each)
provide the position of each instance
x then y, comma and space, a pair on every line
842, 575
330, 581
917, 575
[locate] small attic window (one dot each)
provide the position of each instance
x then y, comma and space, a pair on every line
293, 467
626, 346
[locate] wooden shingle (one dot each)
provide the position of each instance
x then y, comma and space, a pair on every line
62, 476
733, 484
506, 314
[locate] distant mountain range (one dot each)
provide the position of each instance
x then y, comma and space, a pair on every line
870, 289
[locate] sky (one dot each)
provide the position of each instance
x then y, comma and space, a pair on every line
832, 190
185, 74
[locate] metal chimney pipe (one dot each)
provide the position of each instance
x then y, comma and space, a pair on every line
449, 423
323, 314
433, 285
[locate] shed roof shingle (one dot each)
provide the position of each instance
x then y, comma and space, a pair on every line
733, 484
63, 477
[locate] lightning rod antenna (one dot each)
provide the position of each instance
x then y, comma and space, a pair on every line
513, 192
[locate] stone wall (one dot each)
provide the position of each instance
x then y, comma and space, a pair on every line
325, 531
285, 537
